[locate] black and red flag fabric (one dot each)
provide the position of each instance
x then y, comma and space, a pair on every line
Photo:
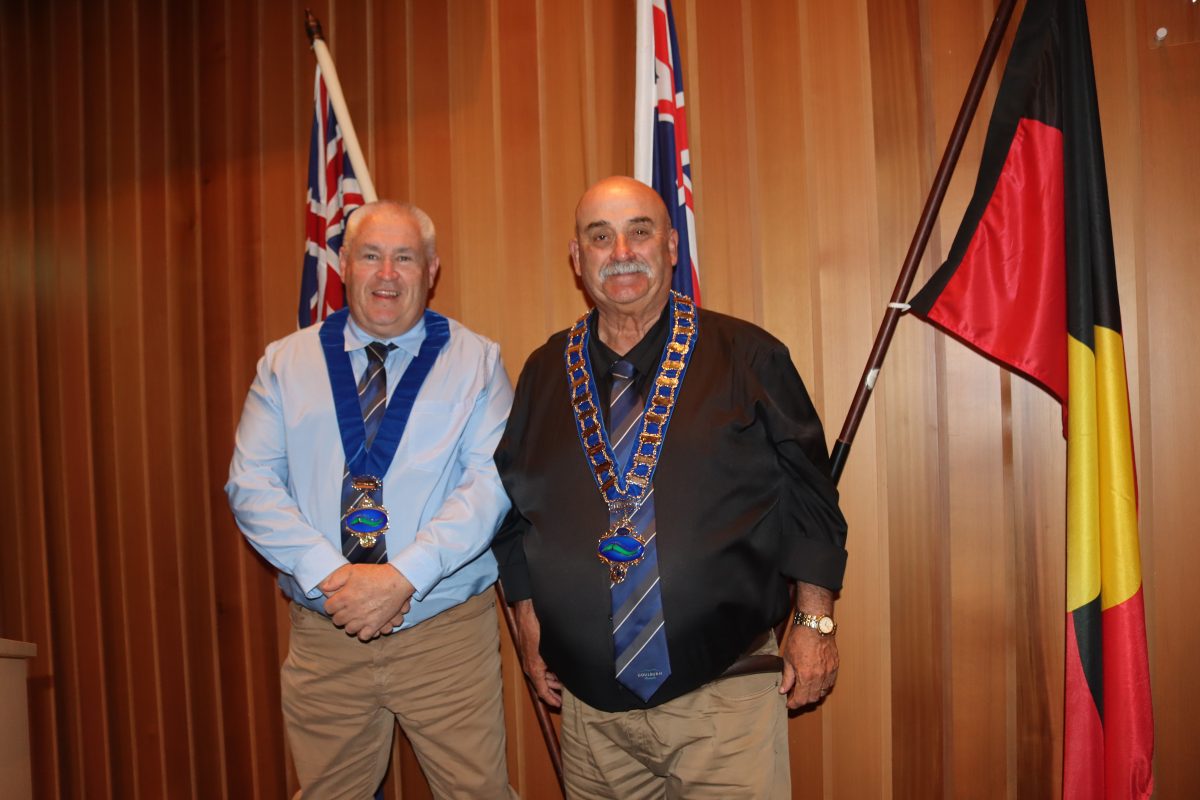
1031, 283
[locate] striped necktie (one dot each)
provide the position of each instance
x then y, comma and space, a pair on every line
372, 399
639, 638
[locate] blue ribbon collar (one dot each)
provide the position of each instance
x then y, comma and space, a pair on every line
376, 460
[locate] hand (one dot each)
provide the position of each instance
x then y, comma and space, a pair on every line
810, 666
367, 599
529, 638
810, 660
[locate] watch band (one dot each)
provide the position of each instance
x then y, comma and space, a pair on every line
821, 623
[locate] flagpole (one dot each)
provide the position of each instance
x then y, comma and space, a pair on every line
916, 249
312, 27
549, 736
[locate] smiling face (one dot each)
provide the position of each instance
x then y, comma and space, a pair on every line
387, 270
624, 248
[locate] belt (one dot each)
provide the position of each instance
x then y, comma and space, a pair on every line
754, 663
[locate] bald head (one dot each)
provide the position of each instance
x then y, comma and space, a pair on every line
624, 250
625, 188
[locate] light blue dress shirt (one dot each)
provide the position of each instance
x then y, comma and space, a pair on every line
442, 493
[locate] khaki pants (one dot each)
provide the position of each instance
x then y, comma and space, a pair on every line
726, 741
440, 680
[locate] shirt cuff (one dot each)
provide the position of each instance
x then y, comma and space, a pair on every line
315, 566
421, 569
815, 562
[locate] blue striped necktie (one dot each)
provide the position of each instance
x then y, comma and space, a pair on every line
372, 398
639, 638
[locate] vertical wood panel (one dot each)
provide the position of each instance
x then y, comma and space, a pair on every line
972, 416
68, 443
840, 171
391, 73
781, 220
25, 569
561, 81
728, 286
153, 163
904, 151
1170, 125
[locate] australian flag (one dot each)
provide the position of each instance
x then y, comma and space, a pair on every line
661, 157
333, 192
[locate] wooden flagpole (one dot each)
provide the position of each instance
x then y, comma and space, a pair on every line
933, 204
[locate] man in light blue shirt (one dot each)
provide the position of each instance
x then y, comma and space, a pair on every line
363, 472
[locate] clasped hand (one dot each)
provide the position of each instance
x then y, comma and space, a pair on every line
367, 600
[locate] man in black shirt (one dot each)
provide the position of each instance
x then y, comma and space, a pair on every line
670, 482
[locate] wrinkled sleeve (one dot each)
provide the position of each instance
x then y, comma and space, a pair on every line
814, 537
258, 491
463, 526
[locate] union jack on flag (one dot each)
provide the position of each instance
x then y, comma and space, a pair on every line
333, 192
660, 144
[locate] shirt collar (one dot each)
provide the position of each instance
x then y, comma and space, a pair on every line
409, 341
644, 355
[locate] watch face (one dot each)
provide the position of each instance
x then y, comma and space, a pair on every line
825, 625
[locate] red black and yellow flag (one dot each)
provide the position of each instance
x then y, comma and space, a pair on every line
1031, 283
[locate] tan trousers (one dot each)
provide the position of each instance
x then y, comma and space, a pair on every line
440, 679
726, 741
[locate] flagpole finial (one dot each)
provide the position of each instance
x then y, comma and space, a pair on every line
312, 26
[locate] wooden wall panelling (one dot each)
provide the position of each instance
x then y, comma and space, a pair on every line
978, 634
610, 32
840, 165
389, 36
1170, 127
1037, 497
284, 118
475, 180
782, 217
63, 332
562, 128
160, 388
352, 48
429, 128
521, 227
114, 231
193, 510
283, 106
727, 259
30, 615
777, 267
231, 327
906, 156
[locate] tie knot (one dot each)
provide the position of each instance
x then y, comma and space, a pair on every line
377, 351
622, 369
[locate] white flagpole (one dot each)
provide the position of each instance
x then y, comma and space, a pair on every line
338, 100
645, 101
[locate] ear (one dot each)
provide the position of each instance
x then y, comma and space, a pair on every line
434, 266
575, 263
673, 246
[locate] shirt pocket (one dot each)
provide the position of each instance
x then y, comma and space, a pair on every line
433, 435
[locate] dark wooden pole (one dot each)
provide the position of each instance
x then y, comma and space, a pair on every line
539, 708
933, 204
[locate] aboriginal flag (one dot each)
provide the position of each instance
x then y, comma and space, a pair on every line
1031, 283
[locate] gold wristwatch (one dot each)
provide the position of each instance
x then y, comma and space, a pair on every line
822, 624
